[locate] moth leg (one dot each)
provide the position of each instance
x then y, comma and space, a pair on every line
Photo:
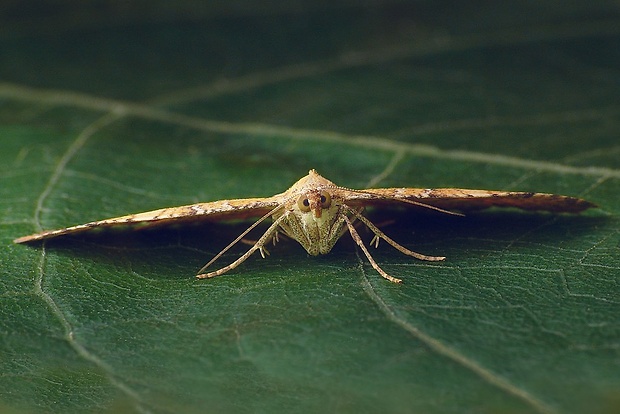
356, 237
251, 242
259, 245
375, 241
277, 236
263, 252
380, 235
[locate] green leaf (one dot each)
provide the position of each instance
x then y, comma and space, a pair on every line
105, 113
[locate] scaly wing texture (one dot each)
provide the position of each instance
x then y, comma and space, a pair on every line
464, 199
212, 211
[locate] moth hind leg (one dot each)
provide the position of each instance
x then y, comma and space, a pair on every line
358, 240
259, 245
381, 235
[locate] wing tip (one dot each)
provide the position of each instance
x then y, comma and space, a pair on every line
577, 205
28, 239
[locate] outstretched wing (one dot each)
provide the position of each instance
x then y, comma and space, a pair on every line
464, 200
213, 211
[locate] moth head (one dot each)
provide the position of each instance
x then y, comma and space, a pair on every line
315, 202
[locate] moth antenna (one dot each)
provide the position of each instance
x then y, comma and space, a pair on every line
358, 240
258, 245
419, 204
382, 235
404, 200
249, 229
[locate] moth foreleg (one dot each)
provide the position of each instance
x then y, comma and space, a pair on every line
358, 240
259, 245
379, 234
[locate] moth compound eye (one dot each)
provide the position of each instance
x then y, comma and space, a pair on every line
326, 199
304, 204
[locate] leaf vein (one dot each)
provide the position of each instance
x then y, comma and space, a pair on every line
119, 108
69, 335
444, 350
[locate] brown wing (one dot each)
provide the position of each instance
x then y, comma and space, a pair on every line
213, 211
463, 199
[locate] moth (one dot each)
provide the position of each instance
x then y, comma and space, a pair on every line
316, 213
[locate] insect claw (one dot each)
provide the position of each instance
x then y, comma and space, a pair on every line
375, 241
263, 251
